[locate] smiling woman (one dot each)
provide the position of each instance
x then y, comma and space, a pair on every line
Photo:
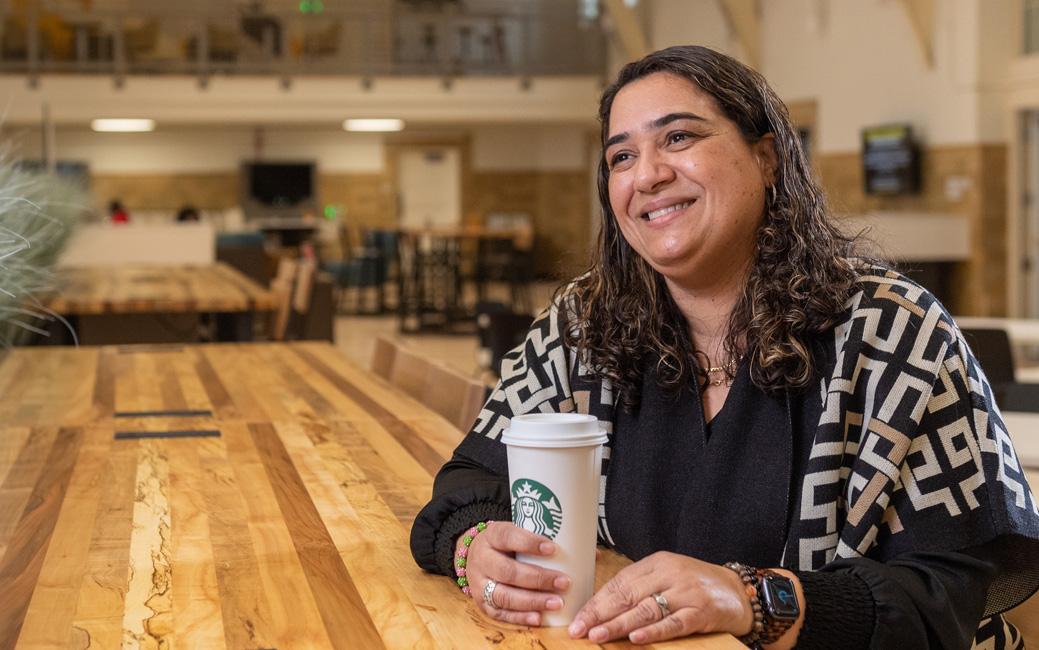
772, 401
685, 186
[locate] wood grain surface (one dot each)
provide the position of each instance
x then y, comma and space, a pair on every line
238, 496
137, 288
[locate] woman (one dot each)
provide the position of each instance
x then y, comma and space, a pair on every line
771, 400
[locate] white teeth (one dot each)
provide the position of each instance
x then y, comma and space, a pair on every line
661, 212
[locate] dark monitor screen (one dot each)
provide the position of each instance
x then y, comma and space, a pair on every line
890, 160
281, 185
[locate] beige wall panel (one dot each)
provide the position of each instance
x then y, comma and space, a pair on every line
562, 223
980, 281
558, 205
366, 199
166, 191
990, 240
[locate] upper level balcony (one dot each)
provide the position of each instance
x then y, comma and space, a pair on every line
295, 38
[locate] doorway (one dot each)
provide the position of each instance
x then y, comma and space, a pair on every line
429, 180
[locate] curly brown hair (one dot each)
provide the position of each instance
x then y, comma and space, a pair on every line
803, 273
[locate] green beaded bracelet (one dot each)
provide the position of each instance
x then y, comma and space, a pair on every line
460, 561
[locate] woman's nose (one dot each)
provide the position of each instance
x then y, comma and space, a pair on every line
652, 170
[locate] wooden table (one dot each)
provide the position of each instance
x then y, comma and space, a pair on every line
237, 496
136, 303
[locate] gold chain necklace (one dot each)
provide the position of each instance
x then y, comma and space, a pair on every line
727, 367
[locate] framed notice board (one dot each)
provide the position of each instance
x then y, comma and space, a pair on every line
890, 160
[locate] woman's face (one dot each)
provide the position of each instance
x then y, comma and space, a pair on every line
687, 190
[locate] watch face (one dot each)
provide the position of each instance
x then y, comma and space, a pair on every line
780, 597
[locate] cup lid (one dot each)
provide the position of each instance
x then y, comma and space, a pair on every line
554, 430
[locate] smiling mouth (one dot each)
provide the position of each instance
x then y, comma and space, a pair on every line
661, 212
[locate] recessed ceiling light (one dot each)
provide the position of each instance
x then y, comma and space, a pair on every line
123, 125
374, 125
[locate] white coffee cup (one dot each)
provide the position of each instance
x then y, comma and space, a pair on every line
554, 466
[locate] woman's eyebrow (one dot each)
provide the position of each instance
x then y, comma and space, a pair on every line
658, 123
673, 117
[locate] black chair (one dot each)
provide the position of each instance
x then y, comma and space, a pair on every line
994, 352
501, 260
499, 330
245, 251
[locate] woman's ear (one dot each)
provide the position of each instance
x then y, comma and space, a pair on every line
768, 159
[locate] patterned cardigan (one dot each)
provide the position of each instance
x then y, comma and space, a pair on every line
910, 453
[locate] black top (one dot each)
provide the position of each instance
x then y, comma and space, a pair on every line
680, 483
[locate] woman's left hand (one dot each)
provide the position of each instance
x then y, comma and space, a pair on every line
701, 597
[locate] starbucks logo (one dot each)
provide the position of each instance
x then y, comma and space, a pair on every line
535, 508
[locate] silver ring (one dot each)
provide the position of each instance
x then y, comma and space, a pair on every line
488, 593
665, 609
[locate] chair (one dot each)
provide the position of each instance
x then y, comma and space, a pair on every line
323, 42
1026, 617
139, 40
994, 352
453, 395
14, 45
383, 355
303, 302
364, 267
281, 287
410, 372
500, 330
223, 43
245, 251
502, 260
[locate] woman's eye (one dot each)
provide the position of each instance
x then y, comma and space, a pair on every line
677, 137
619, 158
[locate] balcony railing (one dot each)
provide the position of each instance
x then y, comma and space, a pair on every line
406, 37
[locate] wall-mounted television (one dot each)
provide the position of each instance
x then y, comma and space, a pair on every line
890, 160
281, 190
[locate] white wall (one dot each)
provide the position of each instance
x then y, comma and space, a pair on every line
77, 99
862, 63
691, 22
865, 67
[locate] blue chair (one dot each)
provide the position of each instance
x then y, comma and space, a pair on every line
365, 274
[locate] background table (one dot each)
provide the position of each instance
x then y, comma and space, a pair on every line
435, 263
138, 303
226, 496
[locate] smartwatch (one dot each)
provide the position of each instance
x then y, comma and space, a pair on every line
779, 605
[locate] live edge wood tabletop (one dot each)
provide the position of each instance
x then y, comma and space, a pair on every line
239, 496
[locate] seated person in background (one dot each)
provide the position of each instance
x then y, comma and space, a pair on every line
772, 401
117, 212
187, 213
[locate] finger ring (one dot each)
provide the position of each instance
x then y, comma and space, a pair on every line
665, 609
488, 593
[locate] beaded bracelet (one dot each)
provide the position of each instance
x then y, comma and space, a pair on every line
463, 553
748, 577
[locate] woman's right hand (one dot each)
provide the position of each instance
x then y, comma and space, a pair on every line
523, 590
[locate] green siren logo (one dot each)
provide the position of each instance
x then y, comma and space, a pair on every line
535, 508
